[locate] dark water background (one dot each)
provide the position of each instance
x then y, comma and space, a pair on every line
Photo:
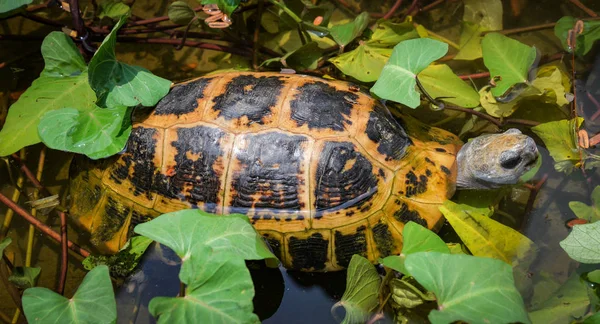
285, 297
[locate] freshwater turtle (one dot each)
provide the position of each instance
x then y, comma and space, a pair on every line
321, 169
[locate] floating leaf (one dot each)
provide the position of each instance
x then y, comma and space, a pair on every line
227, 6
94, 302
397, 81
113, 9
4, 243
568, 303
560, 138
8, 5
362, 291
589, 213
468, 288
24, 277
120, 84
388, 34
181, 13
486, 237
345, 33
440, 82
63, 83
416, 239
585, 41
583, 243
364, 63
508, 60
212, 249
97, 133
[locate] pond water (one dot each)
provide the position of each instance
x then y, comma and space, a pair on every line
287, 296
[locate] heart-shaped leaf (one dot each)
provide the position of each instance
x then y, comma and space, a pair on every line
181, 13
24, 277
397, 81
440, 82
362, 291
345, 33
363, 63
94, 302
416, 239
583, 243
565, 304
120, 84
508, 60
585, 41
388, 34
63, 83
468, 288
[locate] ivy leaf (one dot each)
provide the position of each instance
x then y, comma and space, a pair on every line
589, 213
94, 302
585, 41
508, 61
388, 34
181, 13
363, 63
212, 249
63, 83
345, 33
468, 288
113, 9
120, 84
568, 303
24, 277
362, 291
227, 6
486, 237
439, 81
583, 243
560, 138
97, 132
8, 5
397, 81
416, 239
4, 243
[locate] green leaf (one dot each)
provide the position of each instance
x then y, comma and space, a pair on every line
508, 61
345, 33
97, 133
407, 295
120, 84
594, 276
583, 243
439, 81
560, 137
222, 293
364, 63
388, 34
486, 237
589, 213
397, 81
585, 41
227, 6
485, 13
568, 303
8, 5
416, 239
362, 291
113, 9
594, 319
468, 288
4, 243
24, 277
123, 263
470, 41
304, 58
94, 302
181, 13
63, 83
212, 249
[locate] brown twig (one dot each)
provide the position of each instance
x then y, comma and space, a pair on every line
393, 9
413, 7
64, 260
432, 5
521, 29
532, 196
475, 76
41, 226
30, 175
587, 10
233, 50
155, 20
77, 20
495, 121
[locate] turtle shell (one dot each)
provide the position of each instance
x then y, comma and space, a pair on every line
322, 170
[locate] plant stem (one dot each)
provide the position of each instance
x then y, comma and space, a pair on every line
77, 20
30, 175
581, 6
64, 253
287, 11
432, 5
41, 226
475, 76
15, 197
393, 9
155, 19
532, 196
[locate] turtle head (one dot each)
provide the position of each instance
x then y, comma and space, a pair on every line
493, 160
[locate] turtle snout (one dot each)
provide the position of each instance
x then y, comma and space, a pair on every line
530, 152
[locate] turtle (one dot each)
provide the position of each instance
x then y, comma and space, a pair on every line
322, 170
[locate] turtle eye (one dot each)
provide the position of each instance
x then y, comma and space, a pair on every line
509, 160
